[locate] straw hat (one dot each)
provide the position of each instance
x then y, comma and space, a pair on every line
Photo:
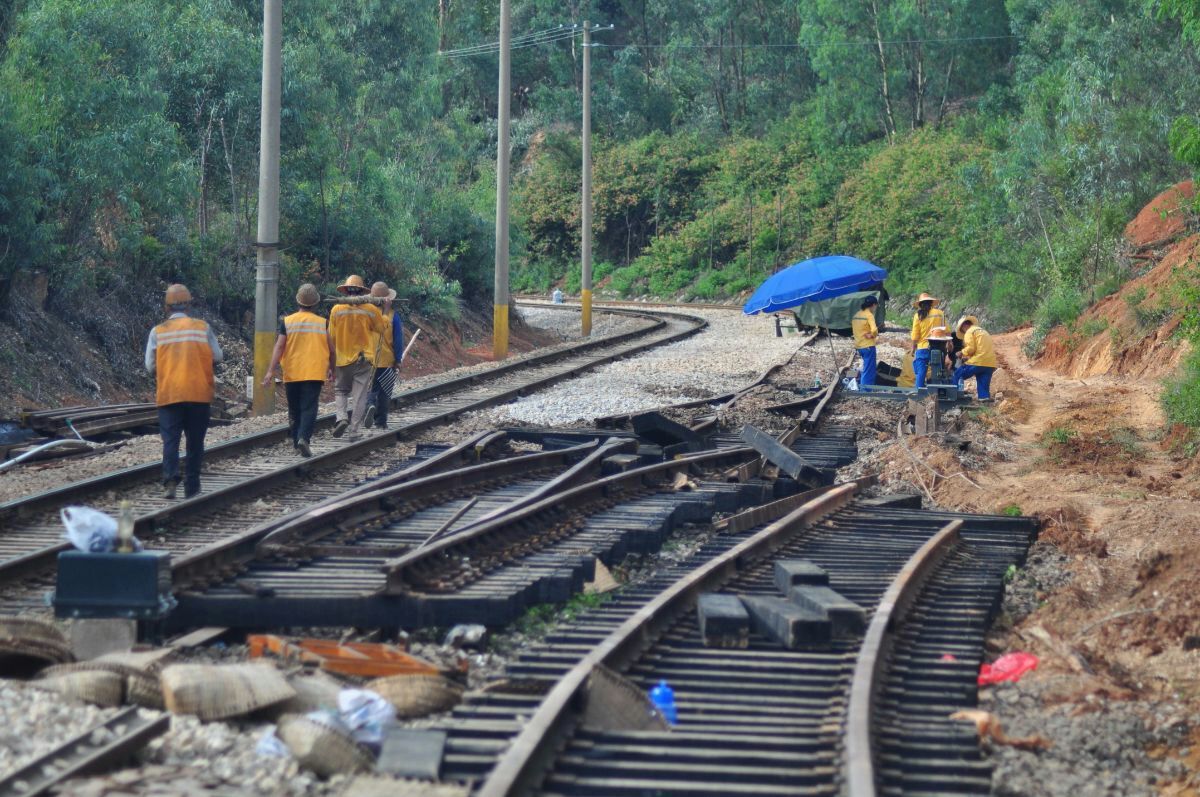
178, 294
353, 281
380, 290
939, 333
925, 297
307, 296
965, 319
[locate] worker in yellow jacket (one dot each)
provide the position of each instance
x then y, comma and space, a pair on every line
354, 332
181, 352
978, 356
387, 363
302, 347
865, 332
927, 317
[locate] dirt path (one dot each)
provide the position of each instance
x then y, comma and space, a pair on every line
1110, 600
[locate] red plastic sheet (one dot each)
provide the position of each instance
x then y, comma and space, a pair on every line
1009, 667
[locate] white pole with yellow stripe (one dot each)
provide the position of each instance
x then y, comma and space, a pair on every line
586, 222
266, 288
500, 303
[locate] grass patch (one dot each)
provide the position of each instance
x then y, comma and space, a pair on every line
1012, 510
541, 619
1059, 435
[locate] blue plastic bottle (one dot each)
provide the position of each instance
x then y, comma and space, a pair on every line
663, 698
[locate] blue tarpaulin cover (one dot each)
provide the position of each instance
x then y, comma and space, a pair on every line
813, 281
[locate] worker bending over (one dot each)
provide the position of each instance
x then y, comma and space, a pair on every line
180, 353
925, 319
354, 333
387, 366
978, 356
303, 349
865, 334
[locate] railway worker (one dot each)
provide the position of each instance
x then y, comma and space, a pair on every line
387, 366
978, 356
180, 353
865, 331
354, 333
927, 316
303, 349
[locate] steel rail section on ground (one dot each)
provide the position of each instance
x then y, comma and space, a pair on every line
764, 720
25, 543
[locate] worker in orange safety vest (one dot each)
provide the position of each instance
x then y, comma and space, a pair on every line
181, 352
354, 334
302, 347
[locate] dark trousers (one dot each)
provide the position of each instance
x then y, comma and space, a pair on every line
302, 399
174, 420
381, 394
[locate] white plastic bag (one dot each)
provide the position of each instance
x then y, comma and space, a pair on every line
271, 746
89, 530
367, 714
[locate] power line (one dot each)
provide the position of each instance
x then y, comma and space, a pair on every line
793, 45
535, 39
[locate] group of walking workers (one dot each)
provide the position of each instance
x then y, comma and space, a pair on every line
356, 348
970, 344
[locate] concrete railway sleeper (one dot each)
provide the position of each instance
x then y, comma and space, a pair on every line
767, 719
31, 527
537, 545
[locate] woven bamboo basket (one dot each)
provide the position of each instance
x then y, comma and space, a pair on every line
322, 748
27, 646
418, 695
141, 688
314, 690
214, 692
91, 686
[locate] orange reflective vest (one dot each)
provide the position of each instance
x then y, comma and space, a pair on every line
355, 329
306, 351
387, 347
183, 362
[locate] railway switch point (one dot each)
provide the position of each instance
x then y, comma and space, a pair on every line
846, 616
784, 622
794, 572
724, 621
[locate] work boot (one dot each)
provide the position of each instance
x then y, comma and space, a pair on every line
369, 417
169, 487
353, 438
339, 428
304, 449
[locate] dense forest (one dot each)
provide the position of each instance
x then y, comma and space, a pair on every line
989, 151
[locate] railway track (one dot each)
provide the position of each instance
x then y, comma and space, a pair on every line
862, 713
258, 476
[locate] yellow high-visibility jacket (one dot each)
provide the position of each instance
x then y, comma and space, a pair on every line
387, 347
978, 349
355, 329
908, 377
921, 327
861, 324
183, 362
306, 351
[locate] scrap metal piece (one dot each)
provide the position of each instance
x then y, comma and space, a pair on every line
784, 458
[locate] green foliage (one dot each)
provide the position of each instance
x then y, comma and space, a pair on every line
1059, 435
1012, 510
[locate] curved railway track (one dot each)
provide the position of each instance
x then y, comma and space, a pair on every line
252, 477
860, 714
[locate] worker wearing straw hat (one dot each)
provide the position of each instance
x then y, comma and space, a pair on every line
354, 331
865, 332
387, 367
927, 316
303, 349
978, 356
180, 353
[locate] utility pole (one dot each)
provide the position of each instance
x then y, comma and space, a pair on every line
586, 232
500, 303
266, 287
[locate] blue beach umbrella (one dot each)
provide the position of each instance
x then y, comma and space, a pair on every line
813, 281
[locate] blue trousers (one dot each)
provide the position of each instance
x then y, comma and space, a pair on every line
868, 366
983, 378
921, 366
175, 420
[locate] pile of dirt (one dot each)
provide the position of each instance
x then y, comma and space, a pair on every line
1163, 219
1131, 332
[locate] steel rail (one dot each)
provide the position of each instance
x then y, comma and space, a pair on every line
418, 486
38, 560
523, 765
483, 539
149, 471
128, 731
860, 774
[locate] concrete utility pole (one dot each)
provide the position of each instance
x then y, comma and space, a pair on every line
500, 303
586, 232
266, 288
